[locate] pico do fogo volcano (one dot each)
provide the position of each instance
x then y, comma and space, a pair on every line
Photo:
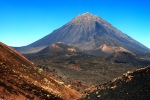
87, 32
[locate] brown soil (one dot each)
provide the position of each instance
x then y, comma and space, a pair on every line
20, 79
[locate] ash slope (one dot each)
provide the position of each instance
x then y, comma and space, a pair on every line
88, 32
131, 86
20, 79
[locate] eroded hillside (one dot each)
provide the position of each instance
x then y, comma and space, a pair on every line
20, 79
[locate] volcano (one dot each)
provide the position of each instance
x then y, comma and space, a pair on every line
87, 32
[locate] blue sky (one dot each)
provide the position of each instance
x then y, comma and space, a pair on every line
25, 21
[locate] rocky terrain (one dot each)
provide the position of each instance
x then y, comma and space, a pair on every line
60, 76
133, 85
81, 70
21, 80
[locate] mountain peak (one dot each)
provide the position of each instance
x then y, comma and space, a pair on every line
87, 14
85, 18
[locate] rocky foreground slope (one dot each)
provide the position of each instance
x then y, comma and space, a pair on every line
131, 86
20, 80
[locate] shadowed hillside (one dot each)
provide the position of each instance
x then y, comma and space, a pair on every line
131, 86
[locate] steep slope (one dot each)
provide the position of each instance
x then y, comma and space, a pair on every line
20, 79
131, 86
89, 32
